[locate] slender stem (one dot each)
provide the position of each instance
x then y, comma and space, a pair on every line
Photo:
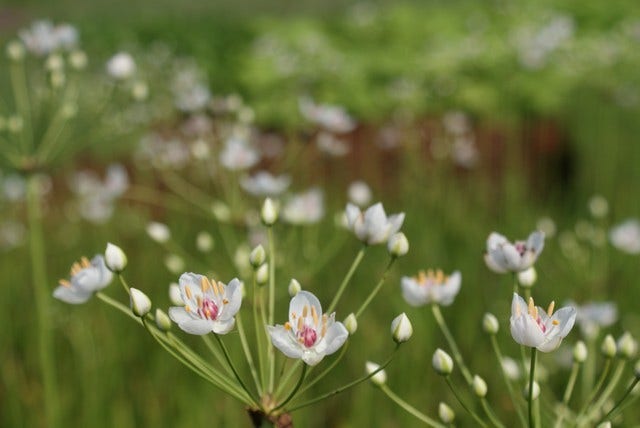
348, 385
346, 279
376, 289
621, 400
613, 383
272, 292
216, 353
294, 390
507, 381
247, 353
328, 369
410, 409
42, 297
567, 394
124, 283
23, 104
594, 391
117, 305
487, 410
532, 371
452, 343
233, 368
464, 406
259, 331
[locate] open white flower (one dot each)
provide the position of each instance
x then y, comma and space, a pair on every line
304, 208
503, 256
330, 117
238, 155
592, 316
625, 236
373, 226
209, 305
532, 326
263, 183
431, 287
87, 277
121, 66
309, 334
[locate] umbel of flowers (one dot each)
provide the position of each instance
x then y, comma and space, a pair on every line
211, 308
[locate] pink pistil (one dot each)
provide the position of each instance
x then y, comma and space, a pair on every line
308, 336
209, 309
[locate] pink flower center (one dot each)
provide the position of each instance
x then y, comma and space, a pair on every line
521, 247
541, 325
307, 336
208, 309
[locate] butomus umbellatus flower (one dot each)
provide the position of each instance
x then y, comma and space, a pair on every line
431, 287
87, 277
503, 256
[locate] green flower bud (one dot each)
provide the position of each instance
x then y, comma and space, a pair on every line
490, 323
401, 328
442, 362
398, 245
162, 320
536, 391
378, 379
627, 346
609, 346
580, 352
527, 278
479, 386
269, 212
262, 274
294, 287
115, 258
257, 257
351, 323
139, 302
446, 413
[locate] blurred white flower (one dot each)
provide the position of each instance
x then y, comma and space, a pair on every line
12, 234
238, 154
159, 232
304, 208
598, 206
190, 91
373, 226
432, 287
534, 327
43, 37
263, 183
209, 305
332, 118
87, 277
503, 256
96, 198
309, 334
359, 193
121, 66
593, 316
332, 145
625, 236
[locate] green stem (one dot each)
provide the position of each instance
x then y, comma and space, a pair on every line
42, 298
531, 380
23, 104
124, 283
272, 293
507, 381
464, 406
410, 409
259, 331
247, 353
216, 353
622, 399
294, 390
328, 369
567, 393
376, 289
452, 343
615, 378
348, 385
492, 417
117, 305
594, 391
235, 371
346, 279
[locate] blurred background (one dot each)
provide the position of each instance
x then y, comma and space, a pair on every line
468, 116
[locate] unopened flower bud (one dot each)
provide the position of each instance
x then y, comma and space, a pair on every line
204, 241
605, 424
262, 274
442, 362
115, 258
54, 63
598, 206
378, 379
162, 320
269, 212
57, 79
446, 413
528, 277
257, 256
490, 323
479, 386
401, 328
159, 232
15, 50
174, 294
221, 211
174, 263
535, 392
139, 90
511, 368
580, 352
627, 346
294, 287
351, 323
78, 60
609, 348
140, 303
398, 245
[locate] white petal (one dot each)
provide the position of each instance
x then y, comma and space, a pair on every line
196, 326
535, 242
284, 341
311, 357
396, 221
493, 264
335, 337
352, 212
297, 304
74, 296
222, 326
179, 315
495, 240
233, 293
511, 257
413, 293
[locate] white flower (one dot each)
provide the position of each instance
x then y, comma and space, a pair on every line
210, 306
532, 326
43, 37
304, 208
332, 145
594, 315
174, 294
87, 277
309, 334
115, 258
431, 288
332, 118
121, 66
265, 184
625, 236
373, 226
503, 256
238, 155
359, 193
398, 245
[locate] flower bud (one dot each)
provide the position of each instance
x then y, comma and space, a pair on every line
174, 294
78, 60
15, 50
220, 211
528, 277
174, 263
605, 424
609, 346
398, 245
378, 379
446, 413
294, 287
401, 328
57, 79
204, 241
598, 206
140, 303
257, 256
490, 323
262, 274
269, 212
536, 391
627, 346
162, 320
580, 352
351, 323
121, 66
511, 368
115, 258
159, 232
54, 63
479, 386
442, 362
139, 90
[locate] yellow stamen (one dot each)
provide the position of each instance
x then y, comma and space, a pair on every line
207, 313
214, 286
551, 306
422, 278
75, 268
294, 315
199, 301
300, 321
225, 301
324, 325
305, 311
314, 314
439, 277
555, 322
187, 291
533, 311
187, 308
287, 326
221, 287
85, 262
65, 283
204, 284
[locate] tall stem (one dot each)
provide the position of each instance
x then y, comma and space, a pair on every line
531, 380
410, 409
42, 296
464, 406
346, 279
452, 343
272, 291
376, 289
514, 397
